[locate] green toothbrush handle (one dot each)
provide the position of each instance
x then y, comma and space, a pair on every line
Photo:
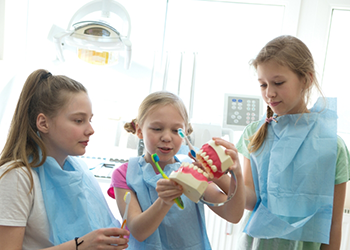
177, 200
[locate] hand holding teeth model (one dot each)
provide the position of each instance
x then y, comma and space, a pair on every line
212, 162
177, 200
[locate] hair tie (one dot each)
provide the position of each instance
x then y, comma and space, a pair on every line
133, 125
272, 118
45, 76
77, 243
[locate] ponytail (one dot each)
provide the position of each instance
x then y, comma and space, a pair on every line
258, 138
130, 127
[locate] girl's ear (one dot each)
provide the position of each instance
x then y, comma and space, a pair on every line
42, 123
309, 77
139, 132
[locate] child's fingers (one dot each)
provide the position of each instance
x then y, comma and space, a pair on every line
168, 187
114, 231
232, 153
119, 241
224, 143
168, 184
168, 190
230, 150
169, 196
105, 238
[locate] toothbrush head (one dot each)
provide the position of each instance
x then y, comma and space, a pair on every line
181, 133
183, 136
127, 197
155, 158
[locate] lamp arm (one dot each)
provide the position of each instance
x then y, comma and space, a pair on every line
58, 40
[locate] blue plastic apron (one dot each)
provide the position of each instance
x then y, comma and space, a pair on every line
73, 200
294, 176
180, 229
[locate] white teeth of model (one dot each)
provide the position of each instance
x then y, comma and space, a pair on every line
206, 157
207, 169
210, 162
200, 152
206, 175
203, 154
214, 168
195, 167
186, 164
199, 170
191, 166
211, 176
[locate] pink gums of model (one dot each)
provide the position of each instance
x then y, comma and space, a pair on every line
194, 177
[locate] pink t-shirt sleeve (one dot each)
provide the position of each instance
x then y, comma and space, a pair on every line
118, 179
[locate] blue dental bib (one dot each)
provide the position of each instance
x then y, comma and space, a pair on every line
180, 229
73, 200
294, 176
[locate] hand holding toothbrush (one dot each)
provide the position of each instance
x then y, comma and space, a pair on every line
177, 200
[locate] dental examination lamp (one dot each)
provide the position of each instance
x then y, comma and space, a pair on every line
95, 41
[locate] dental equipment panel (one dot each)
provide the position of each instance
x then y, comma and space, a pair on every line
240, 110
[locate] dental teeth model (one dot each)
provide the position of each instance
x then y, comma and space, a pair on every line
212, 162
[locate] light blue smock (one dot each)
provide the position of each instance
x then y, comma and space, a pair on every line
73, 200
180, 229
293, 173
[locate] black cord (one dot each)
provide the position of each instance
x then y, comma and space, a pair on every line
76, 242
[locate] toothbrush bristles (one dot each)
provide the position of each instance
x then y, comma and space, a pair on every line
155, 158
182, 135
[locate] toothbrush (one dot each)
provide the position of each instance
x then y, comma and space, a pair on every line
127, 198
177, 200
183, 136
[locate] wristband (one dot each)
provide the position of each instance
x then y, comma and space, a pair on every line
76, 242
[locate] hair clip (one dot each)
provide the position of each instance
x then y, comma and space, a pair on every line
133, 125
272, 118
